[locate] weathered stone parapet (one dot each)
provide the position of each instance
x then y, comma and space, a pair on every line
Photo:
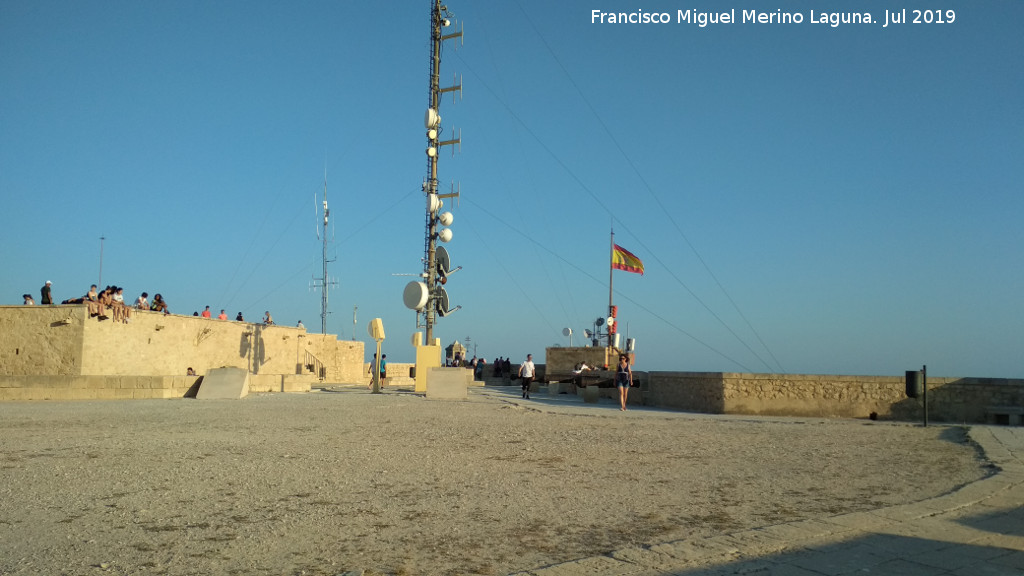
949, 399
41, 339
38, 340
94, 387
64, 340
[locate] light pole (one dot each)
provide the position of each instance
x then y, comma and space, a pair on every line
100, 281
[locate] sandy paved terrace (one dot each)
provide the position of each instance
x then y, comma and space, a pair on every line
327, 482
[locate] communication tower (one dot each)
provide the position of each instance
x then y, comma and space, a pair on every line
428, 297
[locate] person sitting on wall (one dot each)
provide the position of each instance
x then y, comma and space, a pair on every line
106, 301
28, 300
92, 302
223, 315
121, 311
143, 302
159, 305
577, 372
267, 318
239, 318
191, 372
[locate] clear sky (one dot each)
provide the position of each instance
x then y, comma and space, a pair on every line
805, 198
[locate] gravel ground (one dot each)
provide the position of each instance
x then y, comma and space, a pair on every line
326, 483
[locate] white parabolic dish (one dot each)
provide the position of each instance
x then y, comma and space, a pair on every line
415, 295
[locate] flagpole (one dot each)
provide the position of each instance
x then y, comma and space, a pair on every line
611, 269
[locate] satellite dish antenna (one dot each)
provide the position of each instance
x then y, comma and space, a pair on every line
599, 322
566, 331
431, 119
588, 333
444, 262
442, 302
415, 295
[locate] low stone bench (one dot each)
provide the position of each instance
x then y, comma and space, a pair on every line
1005, 415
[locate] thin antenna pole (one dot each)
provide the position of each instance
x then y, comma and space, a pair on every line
326, 283
611, 269
100, 282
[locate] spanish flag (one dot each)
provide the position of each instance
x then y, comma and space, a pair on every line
623, 259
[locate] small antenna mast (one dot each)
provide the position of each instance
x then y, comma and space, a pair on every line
324, 282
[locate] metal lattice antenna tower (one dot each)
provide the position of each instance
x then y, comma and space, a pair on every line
440, 18
324, 282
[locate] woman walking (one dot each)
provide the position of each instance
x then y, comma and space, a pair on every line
623, 379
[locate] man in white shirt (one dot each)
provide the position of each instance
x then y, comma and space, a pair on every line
526, 370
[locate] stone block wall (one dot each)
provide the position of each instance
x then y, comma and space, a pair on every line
563, 360
964, 400
398, 374
342, 358
41, 340
50, 387
65, 341
691, 391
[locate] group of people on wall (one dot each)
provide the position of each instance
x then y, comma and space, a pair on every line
110, 303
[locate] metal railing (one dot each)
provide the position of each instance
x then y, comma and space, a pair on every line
314, 365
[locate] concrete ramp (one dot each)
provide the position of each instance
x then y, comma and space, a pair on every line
448, 383
219, 383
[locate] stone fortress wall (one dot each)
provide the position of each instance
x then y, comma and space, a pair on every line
952, 400
60, 352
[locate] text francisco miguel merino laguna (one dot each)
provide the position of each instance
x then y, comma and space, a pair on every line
833, 19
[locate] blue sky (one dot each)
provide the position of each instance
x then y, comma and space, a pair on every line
805, 198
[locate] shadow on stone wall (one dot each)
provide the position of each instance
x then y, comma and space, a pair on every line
259, 349
252, 346
244, 344
962, 400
